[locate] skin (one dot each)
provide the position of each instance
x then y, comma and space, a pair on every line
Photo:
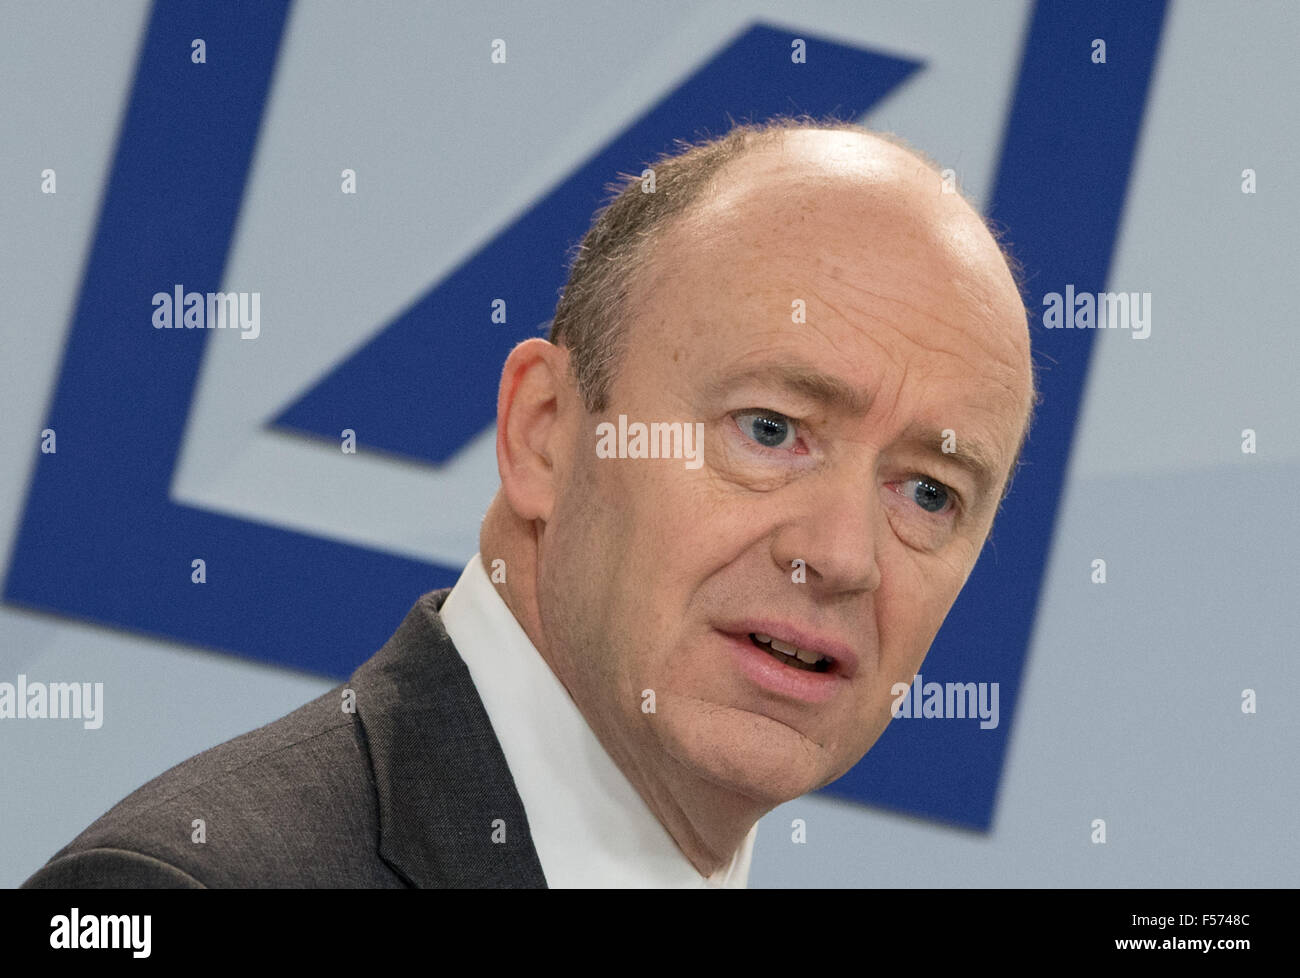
622, 571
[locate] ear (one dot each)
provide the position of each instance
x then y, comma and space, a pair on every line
535, 404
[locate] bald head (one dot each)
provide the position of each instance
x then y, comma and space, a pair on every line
868, 191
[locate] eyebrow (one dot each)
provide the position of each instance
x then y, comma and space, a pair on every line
969, 454
810, 384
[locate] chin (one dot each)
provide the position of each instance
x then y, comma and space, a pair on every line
744, 752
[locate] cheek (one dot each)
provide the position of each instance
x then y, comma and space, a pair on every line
683, 524
911, 605
635, 538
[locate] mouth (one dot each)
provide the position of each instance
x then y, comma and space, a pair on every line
790, 655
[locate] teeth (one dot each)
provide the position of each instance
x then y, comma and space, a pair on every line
810, 658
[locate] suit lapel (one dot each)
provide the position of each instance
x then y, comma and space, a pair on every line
440, 776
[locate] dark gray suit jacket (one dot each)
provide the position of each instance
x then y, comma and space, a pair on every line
406, 791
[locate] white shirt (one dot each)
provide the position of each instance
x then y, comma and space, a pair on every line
590, 826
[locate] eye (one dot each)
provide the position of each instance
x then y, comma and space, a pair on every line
769, 429
931, 496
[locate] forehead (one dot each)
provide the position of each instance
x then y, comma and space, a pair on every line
849, 206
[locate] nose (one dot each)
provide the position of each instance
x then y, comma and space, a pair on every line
835, 534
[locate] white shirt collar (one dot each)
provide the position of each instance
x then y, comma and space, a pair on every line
590, 826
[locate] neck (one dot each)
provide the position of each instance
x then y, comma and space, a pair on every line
708, 823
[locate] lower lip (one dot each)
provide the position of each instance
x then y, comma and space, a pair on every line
798, 684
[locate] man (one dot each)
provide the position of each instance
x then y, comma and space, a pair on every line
664, 636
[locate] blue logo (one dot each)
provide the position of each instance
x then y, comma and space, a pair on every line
101, 539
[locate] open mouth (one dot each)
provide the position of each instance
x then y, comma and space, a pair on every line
793, 657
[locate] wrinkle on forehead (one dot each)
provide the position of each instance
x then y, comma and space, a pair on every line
860, 226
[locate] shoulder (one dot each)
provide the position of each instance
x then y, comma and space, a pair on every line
367, 791
288, 804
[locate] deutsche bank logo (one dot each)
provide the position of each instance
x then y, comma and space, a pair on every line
102, 540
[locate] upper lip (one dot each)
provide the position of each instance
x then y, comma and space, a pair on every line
843, 659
